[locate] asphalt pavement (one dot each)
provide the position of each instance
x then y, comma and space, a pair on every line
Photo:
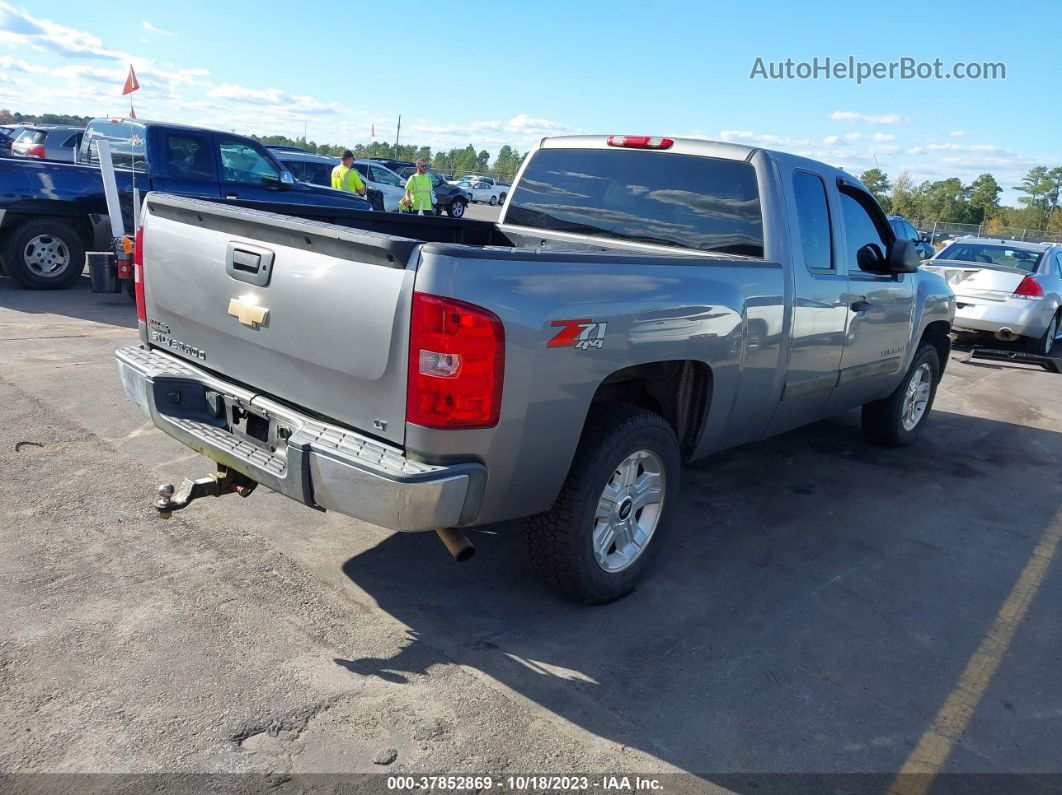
819, 606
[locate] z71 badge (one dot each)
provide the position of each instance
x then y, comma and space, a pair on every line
581, 334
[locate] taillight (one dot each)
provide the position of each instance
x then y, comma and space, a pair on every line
35, 151
1029, 288
456, 364
138, 279
640, 142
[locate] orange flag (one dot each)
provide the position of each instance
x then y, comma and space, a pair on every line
130, 82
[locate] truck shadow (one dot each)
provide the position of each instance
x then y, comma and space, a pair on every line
77, 301
814, 605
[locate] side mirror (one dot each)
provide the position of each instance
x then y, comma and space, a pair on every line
286, 178
870, 259
903, 257
924, 237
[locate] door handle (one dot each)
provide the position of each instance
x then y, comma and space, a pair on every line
862, 305
231, 196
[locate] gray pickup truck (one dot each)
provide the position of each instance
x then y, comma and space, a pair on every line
641, 303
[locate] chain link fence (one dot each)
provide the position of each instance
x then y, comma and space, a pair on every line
938, 232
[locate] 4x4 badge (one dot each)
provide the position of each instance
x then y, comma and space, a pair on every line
581, 334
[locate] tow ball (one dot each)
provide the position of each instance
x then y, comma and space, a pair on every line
224, 481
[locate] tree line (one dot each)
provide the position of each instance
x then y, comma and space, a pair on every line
951, 201
454, 161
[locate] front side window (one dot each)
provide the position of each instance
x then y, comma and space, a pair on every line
813, 218
686, 201
241, 162
860, 230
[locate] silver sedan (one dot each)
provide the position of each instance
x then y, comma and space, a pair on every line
1008, 288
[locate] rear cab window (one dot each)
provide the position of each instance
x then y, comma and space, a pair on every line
127, 140
686, 201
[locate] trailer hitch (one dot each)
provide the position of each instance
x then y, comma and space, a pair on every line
224, 481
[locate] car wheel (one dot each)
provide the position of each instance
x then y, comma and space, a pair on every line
44, 254
493, 201
896, 420
606, 526
1041, 346
456, 208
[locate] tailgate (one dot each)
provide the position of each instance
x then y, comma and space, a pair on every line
987, 282
309, 313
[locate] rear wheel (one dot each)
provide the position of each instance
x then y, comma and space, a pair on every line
606, 525
44, 254
1041, 346
896, 420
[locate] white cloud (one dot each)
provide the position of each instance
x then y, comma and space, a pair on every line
959, 134
765, 139
881, 137
851, 137
831, 140
158, 31
274, 98
868, 118
9, 64
20, 29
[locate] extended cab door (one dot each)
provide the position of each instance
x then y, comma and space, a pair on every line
186, 164
820, 308
880, 307
247, 172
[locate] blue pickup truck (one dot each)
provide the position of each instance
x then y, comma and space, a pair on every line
52, 213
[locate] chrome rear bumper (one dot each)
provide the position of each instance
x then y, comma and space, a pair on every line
310, 461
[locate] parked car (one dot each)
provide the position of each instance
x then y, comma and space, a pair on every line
6, 140
48, 142
52, 213
483, 192
503, 189
1008, 288
449, 198
440, 373
380, 178
904, 230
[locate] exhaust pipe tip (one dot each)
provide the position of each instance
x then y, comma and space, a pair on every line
457, 544
1005, 334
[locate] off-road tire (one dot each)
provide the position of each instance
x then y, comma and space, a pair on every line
559, 541
15, 245
883, 419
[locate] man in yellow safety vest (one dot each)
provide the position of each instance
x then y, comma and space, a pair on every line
418, 190
345, 177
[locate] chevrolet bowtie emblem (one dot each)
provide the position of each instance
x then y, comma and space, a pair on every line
247, 312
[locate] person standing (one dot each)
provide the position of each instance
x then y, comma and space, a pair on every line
418, 190
345, 177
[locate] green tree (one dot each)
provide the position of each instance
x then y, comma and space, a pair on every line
984, 197
1041, 187
902, 199
877, 182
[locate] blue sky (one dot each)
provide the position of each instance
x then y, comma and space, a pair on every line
495, 73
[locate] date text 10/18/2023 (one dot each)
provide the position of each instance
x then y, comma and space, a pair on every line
528, 783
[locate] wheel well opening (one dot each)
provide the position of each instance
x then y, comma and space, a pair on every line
679, 391
937, 334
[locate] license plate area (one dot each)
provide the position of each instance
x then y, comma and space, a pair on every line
248, 423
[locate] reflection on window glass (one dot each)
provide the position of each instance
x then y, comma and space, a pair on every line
127, 144
670, 199
813, 218
241, 162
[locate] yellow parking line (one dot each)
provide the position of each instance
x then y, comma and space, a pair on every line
922, 766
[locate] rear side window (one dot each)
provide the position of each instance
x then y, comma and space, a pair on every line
813, 218
188, 157
688, 201
318, 174
126, 139
31, 138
